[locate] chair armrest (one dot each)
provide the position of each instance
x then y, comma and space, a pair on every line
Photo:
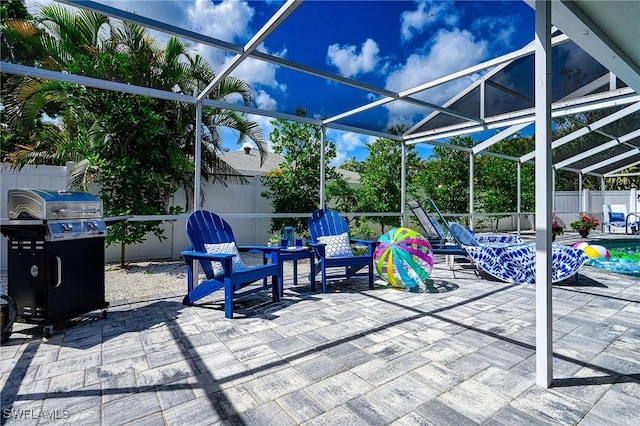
363, 242
318, 247
370, 244
198, 255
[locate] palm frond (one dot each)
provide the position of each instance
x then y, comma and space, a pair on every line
90, 25
233, 86
77, 176
245, 128
19, 29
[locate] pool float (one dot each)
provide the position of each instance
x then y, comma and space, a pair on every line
593, 251
611, 260
624, 256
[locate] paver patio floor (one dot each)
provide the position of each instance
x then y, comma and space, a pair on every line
354, 356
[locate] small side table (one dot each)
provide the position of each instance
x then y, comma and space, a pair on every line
294, 254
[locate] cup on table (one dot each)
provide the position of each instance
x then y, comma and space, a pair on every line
284, 243
298, 242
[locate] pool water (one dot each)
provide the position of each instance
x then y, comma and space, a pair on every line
625, 256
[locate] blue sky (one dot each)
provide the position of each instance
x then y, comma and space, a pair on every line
390, 44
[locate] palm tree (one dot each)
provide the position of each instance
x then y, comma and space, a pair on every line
127, 141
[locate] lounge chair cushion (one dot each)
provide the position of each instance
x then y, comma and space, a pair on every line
225, 248
337, 245
463, 235
616, 217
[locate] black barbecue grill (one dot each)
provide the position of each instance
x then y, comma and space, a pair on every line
55, 255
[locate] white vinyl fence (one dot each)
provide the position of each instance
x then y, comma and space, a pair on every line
568, 204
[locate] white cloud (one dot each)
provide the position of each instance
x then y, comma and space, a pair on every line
352, 141
228, 20
451, 51
351, 63
257, 72
426, 14
340, 158
347, 144
232, 23
265, 101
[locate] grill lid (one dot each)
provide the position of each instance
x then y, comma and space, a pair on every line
43, 204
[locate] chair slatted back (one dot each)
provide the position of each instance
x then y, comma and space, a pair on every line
431, 226
204, 227
326, 222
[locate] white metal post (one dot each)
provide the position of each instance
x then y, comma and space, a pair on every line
588, 205
544, 308
403, 182
553, 189
519, 196
580, 196
602, 194
323, 148
471, 189
198, 158
634, 201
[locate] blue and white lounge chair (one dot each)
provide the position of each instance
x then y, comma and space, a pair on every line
440, 236
616, 219
514, 261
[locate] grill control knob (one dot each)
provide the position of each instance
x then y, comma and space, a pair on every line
67, 227
93, 225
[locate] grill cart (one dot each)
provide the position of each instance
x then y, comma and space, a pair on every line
55, 255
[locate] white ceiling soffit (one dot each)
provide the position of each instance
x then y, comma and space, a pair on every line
608, 30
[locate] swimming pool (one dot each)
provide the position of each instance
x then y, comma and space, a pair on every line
625, 256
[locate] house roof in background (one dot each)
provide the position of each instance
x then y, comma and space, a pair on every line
247, 162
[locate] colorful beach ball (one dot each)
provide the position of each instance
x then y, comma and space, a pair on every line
593, 251
580, 245
404, 259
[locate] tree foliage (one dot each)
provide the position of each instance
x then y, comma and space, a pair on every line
445, 176
380, 179
295, 186
496, 178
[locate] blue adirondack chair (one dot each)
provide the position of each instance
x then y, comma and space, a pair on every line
330, 238
212, 239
